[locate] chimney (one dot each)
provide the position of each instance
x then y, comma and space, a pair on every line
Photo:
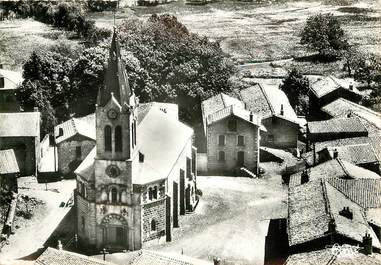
216, 261
335, 153
331, 226
351, 86
59, 245
367, 244
35, 109
281, 110
251, 116
347, 213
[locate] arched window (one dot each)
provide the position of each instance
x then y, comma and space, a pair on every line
155, 192
150, 193
114, 195
118, 139
153, 225
108, 140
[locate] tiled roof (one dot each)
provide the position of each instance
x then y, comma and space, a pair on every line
84, 126
232, 111
357, 153
337, 125
328, 84
217, 103
155, 133
335, 168
328, 256
53, 256
312, 206
11, 79
266, 100
146, 257
169, 108
8, 162
343, 107
20, 124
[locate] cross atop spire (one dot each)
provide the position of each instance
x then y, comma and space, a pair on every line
116, 79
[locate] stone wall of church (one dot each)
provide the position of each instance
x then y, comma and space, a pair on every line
154, 211
68, 159
86, 220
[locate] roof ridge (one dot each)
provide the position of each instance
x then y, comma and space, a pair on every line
267, 99
326, 199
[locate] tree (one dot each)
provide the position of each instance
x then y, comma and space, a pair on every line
323, 33
296, 87
368, 69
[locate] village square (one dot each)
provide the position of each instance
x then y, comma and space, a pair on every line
190, 132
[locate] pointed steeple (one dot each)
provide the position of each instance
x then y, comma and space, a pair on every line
116, 80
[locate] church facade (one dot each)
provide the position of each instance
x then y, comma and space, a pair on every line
140, 176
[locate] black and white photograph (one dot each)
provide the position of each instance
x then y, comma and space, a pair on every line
190, 132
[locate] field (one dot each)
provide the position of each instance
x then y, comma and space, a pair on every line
249, 32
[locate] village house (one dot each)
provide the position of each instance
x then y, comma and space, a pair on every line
140, 176
9, 171
327, 89
74, 139
9, 81
20, 131
232, 134
278, 117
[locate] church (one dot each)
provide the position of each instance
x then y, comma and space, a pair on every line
141, 174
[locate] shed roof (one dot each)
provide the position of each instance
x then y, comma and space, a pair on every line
8, 162
311, 208
53, 256
84, 126
337, 125
17, 124
328, 256
329, 84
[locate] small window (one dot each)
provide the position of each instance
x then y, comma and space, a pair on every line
241, 140
141, 157
153, 225
150, 193
118, 139
83, 223
60, 132
78, 152
154, 191
221, 140
232, 125
221, 156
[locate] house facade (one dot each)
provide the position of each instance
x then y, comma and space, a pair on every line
23, 137
74, 139
9, 80
140, 176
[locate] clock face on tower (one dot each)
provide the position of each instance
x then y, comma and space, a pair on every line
112, 171
112, 114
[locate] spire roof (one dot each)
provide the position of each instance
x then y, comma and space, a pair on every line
116, 79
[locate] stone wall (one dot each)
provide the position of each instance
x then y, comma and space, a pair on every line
154, 211
67, 157
86, 214
284, 133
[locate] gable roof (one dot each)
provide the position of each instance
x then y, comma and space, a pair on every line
53, 256
11, 79
8, 162
329, 84
342, 106
84, 126
337, 125
335, 168
155, 133
312, 206
232, 111
18, 124
328, 256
